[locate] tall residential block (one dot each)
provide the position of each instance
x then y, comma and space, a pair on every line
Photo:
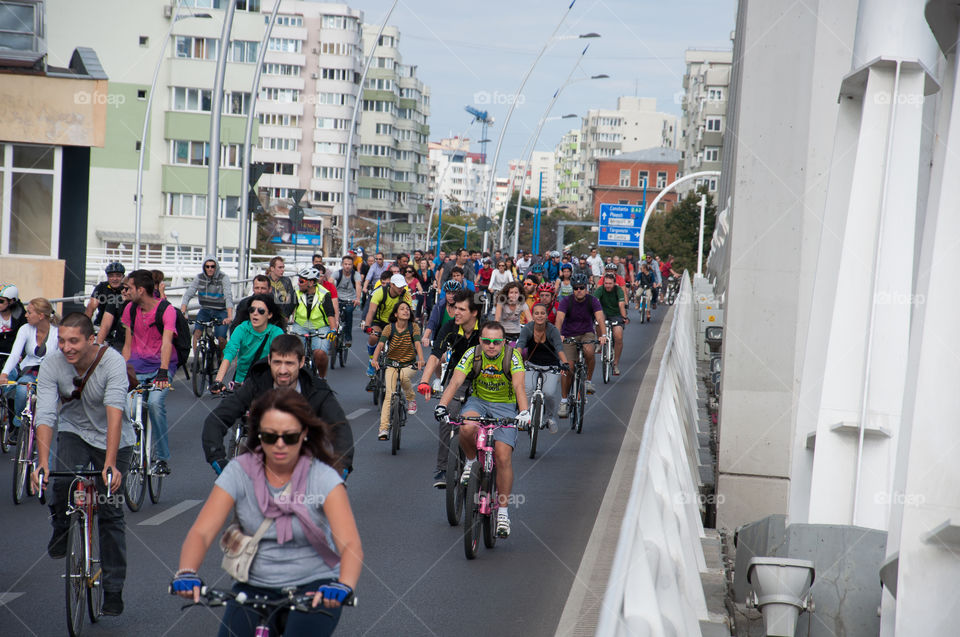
706, 86
457, 175
569, 168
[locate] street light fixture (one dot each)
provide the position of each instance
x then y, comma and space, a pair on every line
143, 136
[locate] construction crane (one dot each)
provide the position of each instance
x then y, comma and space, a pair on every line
485, 120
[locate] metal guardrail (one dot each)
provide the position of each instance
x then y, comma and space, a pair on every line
654, 586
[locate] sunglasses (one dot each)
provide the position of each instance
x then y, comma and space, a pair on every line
258, 310
75, 394
579, 287
209, 267
491, 341
270, 438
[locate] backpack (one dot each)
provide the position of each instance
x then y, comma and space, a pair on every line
478, 357
181, 340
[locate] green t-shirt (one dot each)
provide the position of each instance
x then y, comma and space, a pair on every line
244, 343
491, 384
610, 301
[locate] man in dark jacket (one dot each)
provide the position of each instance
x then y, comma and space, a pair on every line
282, 368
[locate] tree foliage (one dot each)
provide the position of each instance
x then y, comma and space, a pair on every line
676, 232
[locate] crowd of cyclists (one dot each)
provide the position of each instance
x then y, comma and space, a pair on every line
462, 328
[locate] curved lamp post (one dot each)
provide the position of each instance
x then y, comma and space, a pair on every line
138, 198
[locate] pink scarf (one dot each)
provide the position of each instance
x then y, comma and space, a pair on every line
282, 509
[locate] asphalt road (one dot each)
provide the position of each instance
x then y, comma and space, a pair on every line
416, 580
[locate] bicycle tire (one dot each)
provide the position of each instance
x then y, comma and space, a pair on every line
334, 348
489, 522
455, 492
471, 515
395, 423
154, 481
94, 582
213, 363
199, 380
581, 402
643, 311
134, 486
607, 362
75, 580
536, 409
342, 353
6, 426
21, 465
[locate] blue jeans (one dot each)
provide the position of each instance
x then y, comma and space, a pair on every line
242, 620
346, 319
19, 392
157, 407
317, 342
206, 314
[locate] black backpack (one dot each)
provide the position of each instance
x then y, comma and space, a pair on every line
181, 340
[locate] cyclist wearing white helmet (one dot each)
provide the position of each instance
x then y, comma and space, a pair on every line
314, 311
12, 316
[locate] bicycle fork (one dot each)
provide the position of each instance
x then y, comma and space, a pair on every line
486, 503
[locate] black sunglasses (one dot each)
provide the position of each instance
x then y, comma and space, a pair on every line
579, 287
258, 310
270, 438
209, 267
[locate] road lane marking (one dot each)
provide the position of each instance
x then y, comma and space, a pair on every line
357, 413
170, 513
6, 598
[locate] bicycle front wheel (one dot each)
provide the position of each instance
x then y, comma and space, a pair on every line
536, 422
471, 515
342, 353
76, 580
6, 426
490, 521
455, 492
94, 580
21, 466
199, 368
134, 486
607, 361
395, 423
581, 402
154, 480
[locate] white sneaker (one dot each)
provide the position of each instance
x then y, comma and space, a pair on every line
564, 410
590, 388
552, 425
465, 476
503, 524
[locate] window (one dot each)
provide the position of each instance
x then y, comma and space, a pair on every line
715, 94
330, 148
713, 124
286, 20
623, 202
642, 179
625, 178
335, 22
661, 206
387, 40
337, 48
21, 27
327, 197
243, 51
379, 84
329, 172
277, 119
285, 45
384, 129
198, 101
661, 179
253, 6
333, 123
236, 103
336, 99
290, 70
186, 205
379, 106
344, 75
31, 176
383, 63
144, 40
279, 169
282, 95
711, 153
278, 143
196, 48
190, 153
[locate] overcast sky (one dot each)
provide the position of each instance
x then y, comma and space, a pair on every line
464, 49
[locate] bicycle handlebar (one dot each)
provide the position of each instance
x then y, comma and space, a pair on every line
483, 420
212, 597
84, 473
211, 323
574, 341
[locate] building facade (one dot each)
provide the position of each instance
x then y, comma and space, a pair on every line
569, 168
636, 179
457, 175
706, 87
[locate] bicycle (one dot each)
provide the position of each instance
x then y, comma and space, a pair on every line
671, 289
141, 476
579, 387
379, 377
398, 408
536, 403
480, 496
308, 346
206, 357
26, 455
84, 570
643, 296
456, 492
273, 612
239, 430
340, 349
606, 352
6, 421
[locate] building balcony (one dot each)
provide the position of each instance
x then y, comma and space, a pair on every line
196, 126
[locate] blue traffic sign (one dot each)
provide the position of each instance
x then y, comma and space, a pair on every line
619, 225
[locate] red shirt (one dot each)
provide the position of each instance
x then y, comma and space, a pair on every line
665, 267
484, 274
330, 287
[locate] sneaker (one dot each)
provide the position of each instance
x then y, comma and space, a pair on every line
370, 370
564, 410
465, 476
161, 468
552, 425
348, 344
503, 524
371, 384
616, 370
57, 546
590, 388
112, 604
440, 480
411, 407
384, 434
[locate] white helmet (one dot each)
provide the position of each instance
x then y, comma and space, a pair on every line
9, 291
310, 273
398, 280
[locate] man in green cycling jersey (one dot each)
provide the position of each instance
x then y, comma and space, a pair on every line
496, 394
614, 305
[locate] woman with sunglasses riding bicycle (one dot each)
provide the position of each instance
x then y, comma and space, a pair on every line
312, 543
35, 338
251, 340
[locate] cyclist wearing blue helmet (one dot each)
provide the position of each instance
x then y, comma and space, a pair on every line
107, 301
442, 312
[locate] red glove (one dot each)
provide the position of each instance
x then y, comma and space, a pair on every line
425, 389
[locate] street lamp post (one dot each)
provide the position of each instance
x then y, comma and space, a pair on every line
353, 125
506, 122
216, 111
243, 252
138, 198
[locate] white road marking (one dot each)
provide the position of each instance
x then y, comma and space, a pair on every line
6, 598
357, 413
171, 513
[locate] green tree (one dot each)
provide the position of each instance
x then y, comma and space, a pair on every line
676, 232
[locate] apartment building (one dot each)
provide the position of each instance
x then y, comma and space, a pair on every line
393, 156
634, 125
569, 168
706, 86
458, 176
636, 178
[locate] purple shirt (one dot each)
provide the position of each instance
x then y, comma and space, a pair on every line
147, 340
578, 317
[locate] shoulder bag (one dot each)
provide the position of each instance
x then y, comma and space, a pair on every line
239, 548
